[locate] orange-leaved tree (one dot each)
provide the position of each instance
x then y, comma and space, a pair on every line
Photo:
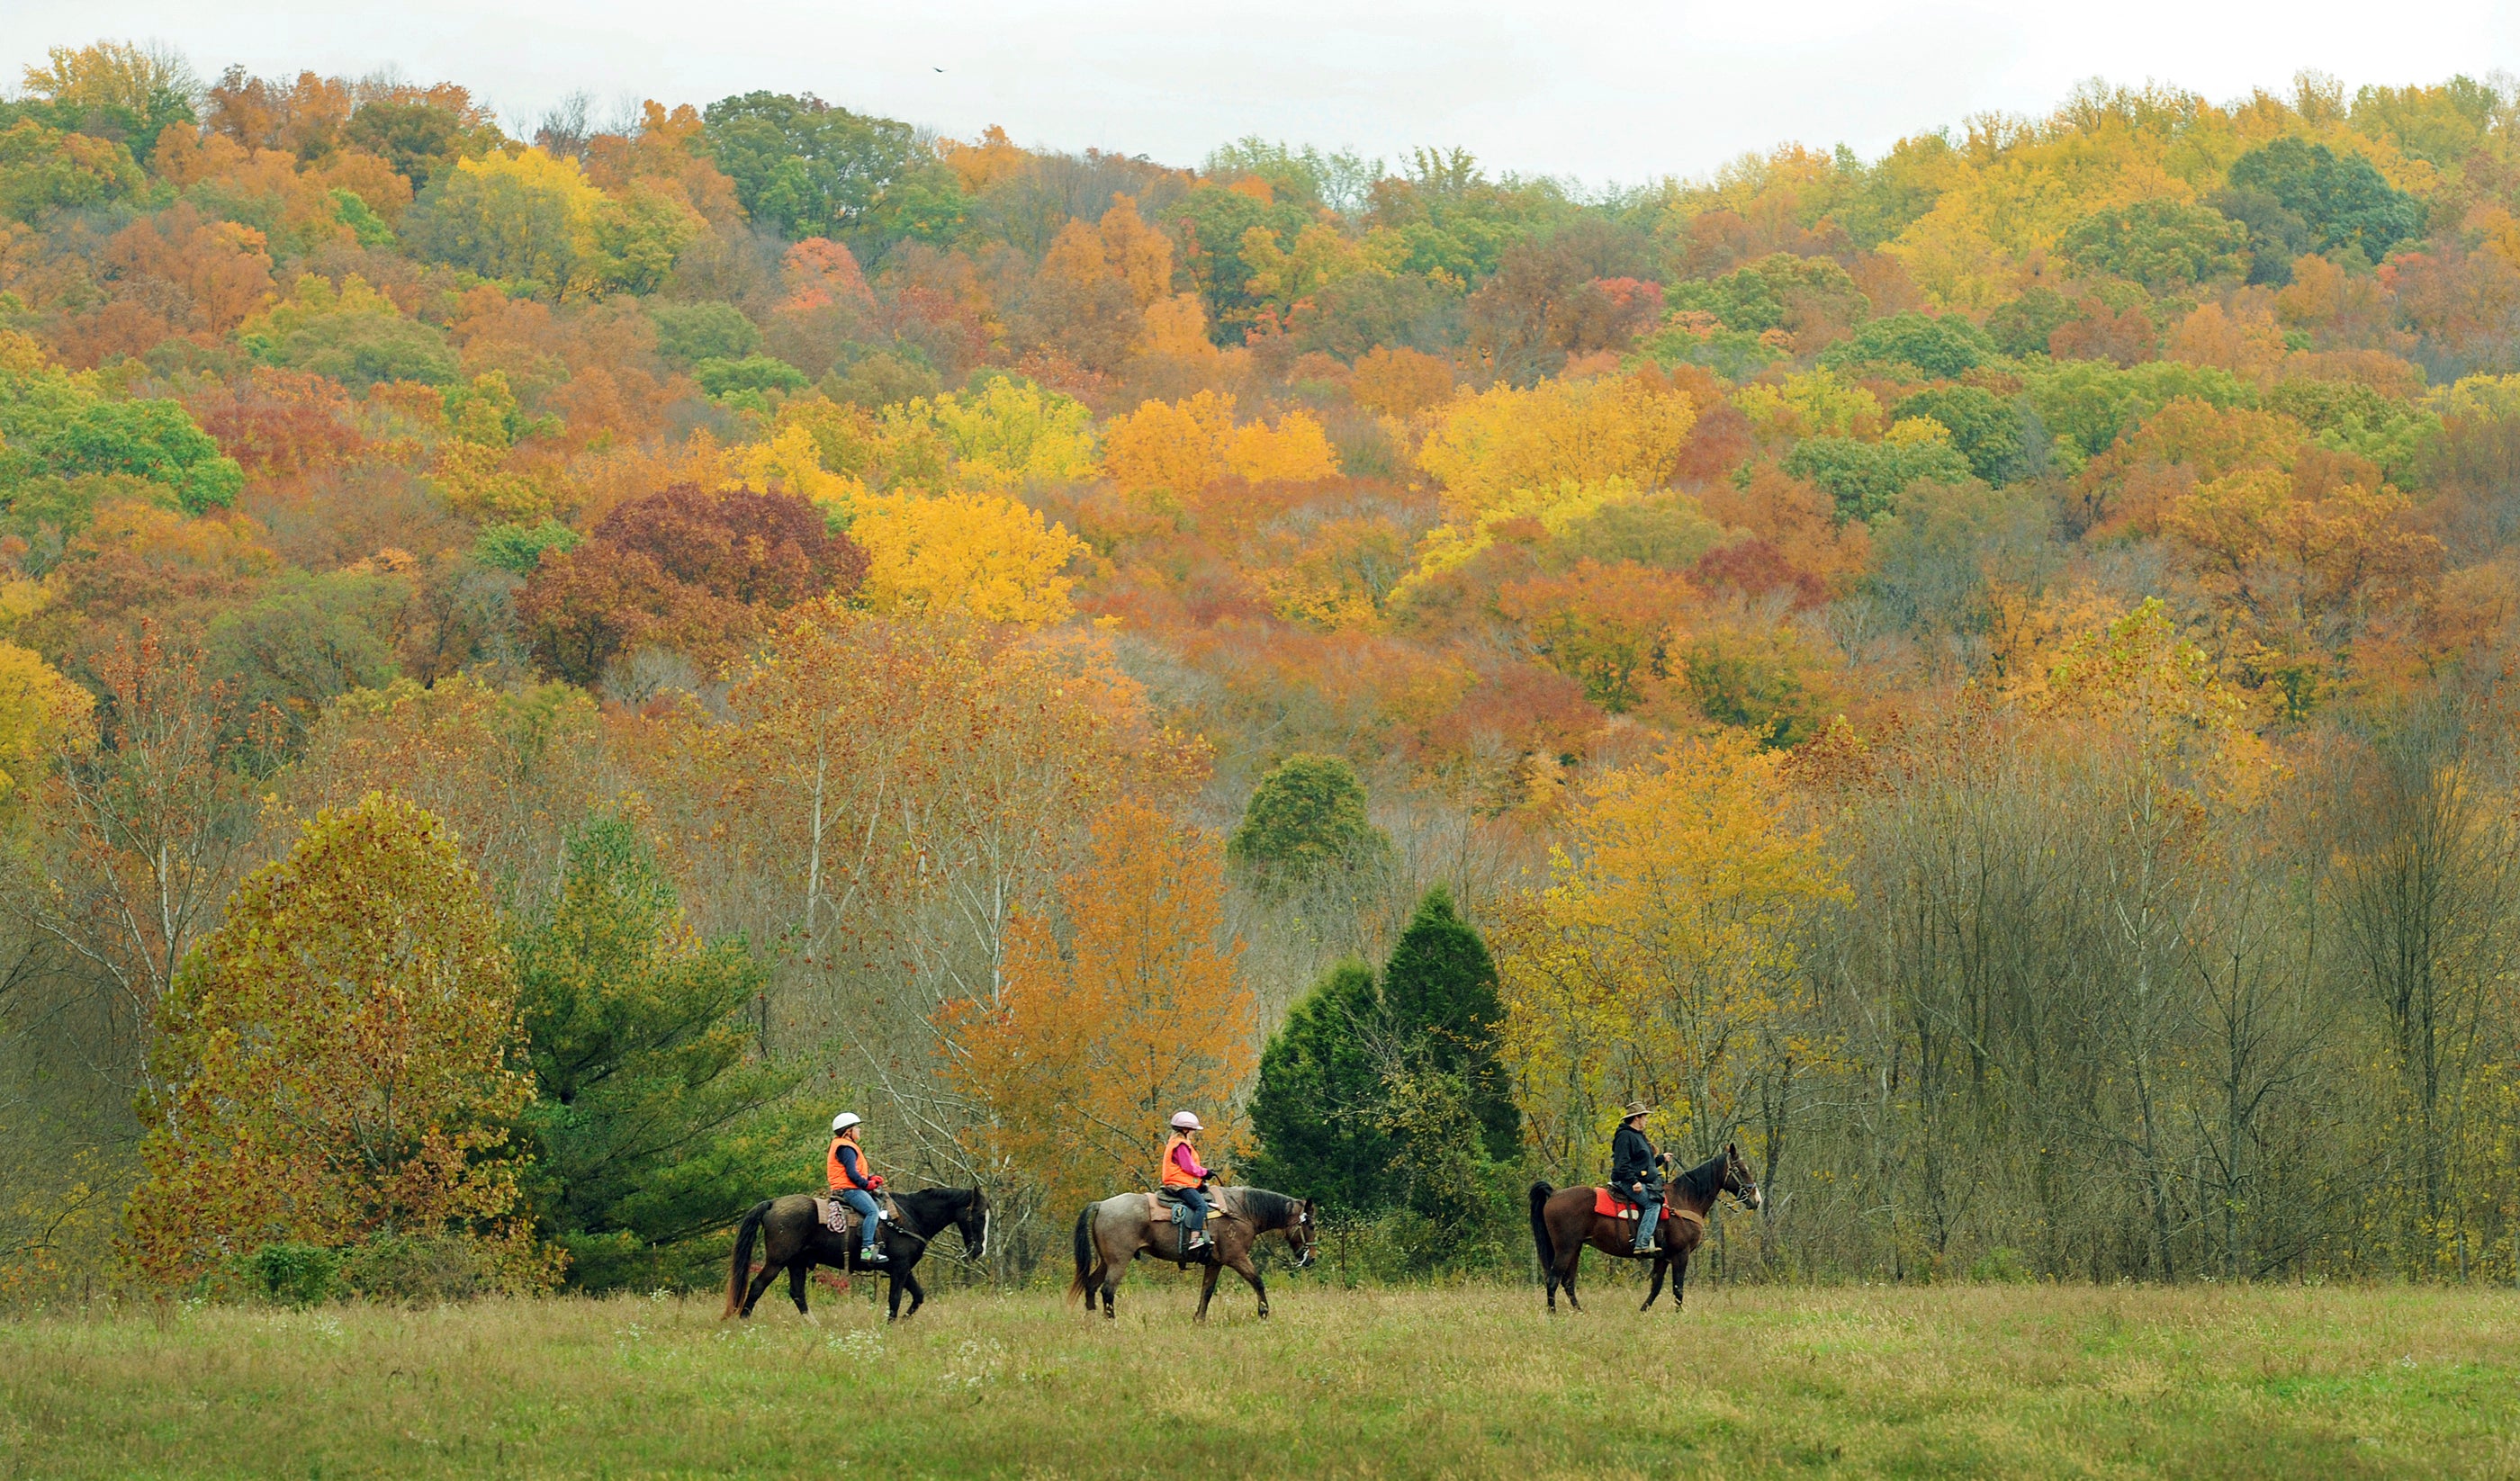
337, 1057
1095, 1039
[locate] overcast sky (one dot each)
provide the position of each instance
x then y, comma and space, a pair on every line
1619, 92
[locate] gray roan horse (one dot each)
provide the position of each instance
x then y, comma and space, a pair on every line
1116, 1230
798, 1242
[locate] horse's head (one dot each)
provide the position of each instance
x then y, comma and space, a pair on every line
973, 1224
1736, 1178
1301, 1228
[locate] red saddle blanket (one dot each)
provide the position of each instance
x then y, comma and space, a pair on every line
1612, 1208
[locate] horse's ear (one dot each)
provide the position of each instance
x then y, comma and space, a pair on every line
1729, 1152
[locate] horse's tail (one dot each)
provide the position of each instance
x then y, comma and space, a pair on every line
741, 1272
1540, 1194
1084, 1250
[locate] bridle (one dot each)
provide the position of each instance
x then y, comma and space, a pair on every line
1303, 1225
1747, 1199
973, 1254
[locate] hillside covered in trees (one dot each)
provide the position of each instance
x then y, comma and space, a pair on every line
1982, 675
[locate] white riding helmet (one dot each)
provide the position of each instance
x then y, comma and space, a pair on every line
843, 1121
1184, 1121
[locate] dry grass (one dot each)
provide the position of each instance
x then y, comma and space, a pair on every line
2010, 1381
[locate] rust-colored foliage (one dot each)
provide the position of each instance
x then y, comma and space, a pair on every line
686, 570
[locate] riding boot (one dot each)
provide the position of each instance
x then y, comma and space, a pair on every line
1649, 1227
873, 1254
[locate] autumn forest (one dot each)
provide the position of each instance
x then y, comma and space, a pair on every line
539, 660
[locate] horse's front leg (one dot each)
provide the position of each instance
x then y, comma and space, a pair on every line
1661, 1264
1679, 1280
908, 1279
1243, 1266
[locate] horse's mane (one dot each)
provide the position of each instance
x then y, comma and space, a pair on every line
1266, 1209
928, 1201
1699, 1183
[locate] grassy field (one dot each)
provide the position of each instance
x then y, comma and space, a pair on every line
1965, 1381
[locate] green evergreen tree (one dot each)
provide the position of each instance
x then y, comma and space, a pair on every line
1439, 993
1320, 1101
1305, 824
1370, 1098
655, 1123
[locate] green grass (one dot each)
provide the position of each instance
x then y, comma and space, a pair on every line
1965, 1381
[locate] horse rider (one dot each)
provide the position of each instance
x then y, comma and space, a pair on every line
854, 1181
1636, 1175
1186, 1180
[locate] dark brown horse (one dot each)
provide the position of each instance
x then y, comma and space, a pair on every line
1563, 1222
798, 1242
1116, 1230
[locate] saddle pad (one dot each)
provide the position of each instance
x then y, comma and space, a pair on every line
1159, 1208
840, 1219
1612, 1208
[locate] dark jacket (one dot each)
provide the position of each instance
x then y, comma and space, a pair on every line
1633, 1160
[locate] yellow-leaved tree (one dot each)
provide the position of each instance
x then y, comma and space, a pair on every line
1660, 963
1091, 1043
983, 555
1488, 446
1010, 433
338, 1063
42, 714
1179, 447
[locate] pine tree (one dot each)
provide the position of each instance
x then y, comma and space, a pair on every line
1318, 1106
1374, 1095
654, 1123
1439, 991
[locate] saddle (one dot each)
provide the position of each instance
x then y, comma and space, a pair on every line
1610, 1205
1161, 1203
843, 1220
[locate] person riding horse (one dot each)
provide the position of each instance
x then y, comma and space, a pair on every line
1636, 1175
854, 1181
1184, 1179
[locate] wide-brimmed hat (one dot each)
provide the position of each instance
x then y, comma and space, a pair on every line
1635, 1110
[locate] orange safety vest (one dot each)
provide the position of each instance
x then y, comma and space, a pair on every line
839, 1175
1175, 1175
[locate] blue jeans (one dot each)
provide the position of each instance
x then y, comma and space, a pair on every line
868, 1232
1197, 1199
1648, 1201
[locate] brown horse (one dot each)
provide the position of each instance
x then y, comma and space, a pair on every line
1562, 1222
797, 1242
1116, 1230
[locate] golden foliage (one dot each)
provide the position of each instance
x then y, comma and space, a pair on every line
1094, 1039
1488, 446
1660, 963
1401, 382
983, 555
